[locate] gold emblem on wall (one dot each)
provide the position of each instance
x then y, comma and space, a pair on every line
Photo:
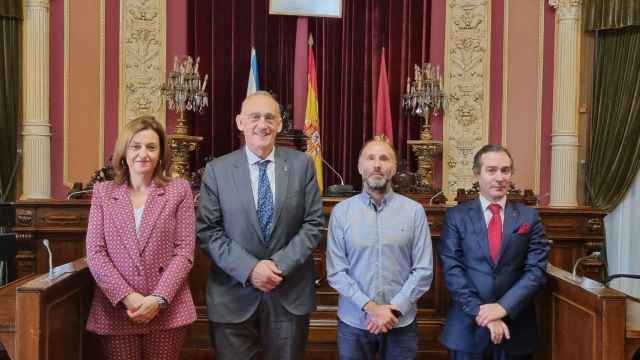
467, 74
142, 59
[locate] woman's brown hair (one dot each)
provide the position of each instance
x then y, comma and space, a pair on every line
145, 122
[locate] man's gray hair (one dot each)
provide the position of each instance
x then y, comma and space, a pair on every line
261, 93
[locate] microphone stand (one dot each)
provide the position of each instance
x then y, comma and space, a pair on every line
337, 190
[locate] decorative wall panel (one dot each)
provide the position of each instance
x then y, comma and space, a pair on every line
142, 59
467, 78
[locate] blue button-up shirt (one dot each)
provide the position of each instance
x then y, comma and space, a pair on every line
380, 253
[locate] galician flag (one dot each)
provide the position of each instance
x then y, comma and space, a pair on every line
311, 118
254, 82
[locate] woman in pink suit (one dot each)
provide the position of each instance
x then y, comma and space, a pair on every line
140, 247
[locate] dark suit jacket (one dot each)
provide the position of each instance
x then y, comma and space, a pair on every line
228, 230
473, 279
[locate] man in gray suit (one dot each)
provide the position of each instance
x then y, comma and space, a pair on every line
259, 220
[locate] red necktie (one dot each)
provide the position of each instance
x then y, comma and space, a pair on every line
494, 231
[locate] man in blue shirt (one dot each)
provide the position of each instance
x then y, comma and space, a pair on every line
379, 259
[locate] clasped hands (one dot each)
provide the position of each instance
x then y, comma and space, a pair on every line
141, 309
266, 276
490, 316
381, 317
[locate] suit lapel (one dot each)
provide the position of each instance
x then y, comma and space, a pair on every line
124, 212
282, 182
508, 227
242, 181
476, 214
152, 210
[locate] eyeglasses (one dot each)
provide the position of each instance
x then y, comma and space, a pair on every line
269, 118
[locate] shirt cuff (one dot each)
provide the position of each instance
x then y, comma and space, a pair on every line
402, 305
360, 300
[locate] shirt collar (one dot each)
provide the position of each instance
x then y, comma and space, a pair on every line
253, 158
484, 202
367, 200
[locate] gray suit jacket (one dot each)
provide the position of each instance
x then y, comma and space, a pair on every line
228, 230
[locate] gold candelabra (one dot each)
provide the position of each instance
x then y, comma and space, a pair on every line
184, 91
424, 98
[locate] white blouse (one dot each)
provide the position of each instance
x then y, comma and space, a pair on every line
137, 214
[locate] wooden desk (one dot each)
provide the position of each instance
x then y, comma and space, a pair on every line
575, 233
51, 312
580, 319
8, 314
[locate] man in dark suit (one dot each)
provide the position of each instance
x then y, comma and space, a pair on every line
259, 220
492, 267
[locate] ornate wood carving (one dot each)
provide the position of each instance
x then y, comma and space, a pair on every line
24, 217
514, 194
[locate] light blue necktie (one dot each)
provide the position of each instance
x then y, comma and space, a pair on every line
265, 200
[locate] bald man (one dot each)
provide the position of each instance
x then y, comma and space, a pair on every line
379, 259
259, 220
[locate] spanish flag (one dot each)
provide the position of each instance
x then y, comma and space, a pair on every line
311, 118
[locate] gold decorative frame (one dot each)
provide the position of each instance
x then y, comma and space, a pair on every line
142, 59
467, 80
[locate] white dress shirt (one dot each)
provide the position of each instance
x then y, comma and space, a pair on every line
254, 172
484, 202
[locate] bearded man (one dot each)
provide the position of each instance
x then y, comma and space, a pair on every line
379, 259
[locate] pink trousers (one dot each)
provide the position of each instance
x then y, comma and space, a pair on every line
159, 345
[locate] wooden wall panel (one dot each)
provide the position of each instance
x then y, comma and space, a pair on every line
83, 90
566, 332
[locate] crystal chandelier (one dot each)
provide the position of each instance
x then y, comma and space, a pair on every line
424, 96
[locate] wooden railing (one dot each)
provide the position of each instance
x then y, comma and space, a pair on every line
579, 318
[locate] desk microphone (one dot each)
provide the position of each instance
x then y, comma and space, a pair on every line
593, 256
45, 242
337, 190
434, 197
72, 194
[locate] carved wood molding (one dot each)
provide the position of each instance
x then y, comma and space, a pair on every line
142, 59
467, 74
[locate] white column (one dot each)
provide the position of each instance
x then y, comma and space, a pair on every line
36, 168
564, 135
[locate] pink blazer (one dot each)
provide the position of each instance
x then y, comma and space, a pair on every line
156, 262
